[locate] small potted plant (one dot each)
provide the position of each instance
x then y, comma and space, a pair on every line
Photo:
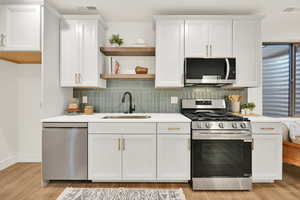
115, 40
247, 108
251, 107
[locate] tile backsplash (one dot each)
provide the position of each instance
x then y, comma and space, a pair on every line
146, 97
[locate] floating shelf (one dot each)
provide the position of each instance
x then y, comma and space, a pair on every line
22, 57
128, 51
234, 87
128, 76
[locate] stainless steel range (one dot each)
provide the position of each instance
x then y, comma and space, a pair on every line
221, 146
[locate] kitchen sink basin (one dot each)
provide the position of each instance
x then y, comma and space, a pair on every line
126, 117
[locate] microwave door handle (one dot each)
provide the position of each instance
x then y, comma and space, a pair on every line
227, 68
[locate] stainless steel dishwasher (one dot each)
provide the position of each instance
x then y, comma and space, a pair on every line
65, 151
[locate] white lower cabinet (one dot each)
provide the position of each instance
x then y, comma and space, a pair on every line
139, 152
139, 157
267, 158
104, 157
122, 157
173, 157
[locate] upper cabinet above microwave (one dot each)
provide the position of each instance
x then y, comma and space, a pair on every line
20, 27
208, 38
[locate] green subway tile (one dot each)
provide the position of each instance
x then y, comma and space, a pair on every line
146, 97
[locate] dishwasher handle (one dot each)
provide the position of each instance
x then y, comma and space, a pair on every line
65, 125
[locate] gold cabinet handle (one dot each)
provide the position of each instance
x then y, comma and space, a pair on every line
2, 38
123, 144
75, 77
119, 144
79, 77
267, 129
173, 129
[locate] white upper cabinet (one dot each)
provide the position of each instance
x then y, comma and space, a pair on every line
169, 53
196, 38
20, 28
81, 61
220, 38
208, 38
247, 50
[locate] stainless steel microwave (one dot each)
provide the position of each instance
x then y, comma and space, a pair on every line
209, 71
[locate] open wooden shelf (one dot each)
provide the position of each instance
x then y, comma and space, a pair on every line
234, 87
128, 76
22, 57
128, 51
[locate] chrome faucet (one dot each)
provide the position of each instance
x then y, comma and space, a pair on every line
131, 106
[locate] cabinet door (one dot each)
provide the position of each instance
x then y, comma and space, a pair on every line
196, 38
89, 73
22, 28
169, 53
69, 53
139, 157
267, 158
173, 157
247, 50
2, 27
220, 38
104, 157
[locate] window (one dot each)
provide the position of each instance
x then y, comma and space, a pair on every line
281, 79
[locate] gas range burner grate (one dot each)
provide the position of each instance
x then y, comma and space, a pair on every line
213, 116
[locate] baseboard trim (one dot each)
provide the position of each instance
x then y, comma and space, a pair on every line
8, 162
29, 158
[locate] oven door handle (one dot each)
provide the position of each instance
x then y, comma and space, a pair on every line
227, 68
222, 132
243, 137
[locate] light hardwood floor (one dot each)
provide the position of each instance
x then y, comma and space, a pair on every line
23, 181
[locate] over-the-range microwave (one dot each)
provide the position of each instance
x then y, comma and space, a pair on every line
209, 71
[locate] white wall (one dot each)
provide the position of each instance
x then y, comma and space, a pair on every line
53, 97
131, 31
8, 117
29, 113
281, 27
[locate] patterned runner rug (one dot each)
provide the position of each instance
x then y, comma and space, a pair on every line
121, 194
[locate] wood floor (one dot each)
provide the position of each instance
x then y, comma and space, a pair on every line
22, 181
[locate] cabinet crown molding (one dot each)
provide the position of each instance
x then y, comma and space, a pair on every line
22, 2
86, 17
190, 17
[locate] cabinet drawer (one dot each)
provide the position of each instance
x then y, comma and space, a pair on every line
268, 128
123, 128
173, 128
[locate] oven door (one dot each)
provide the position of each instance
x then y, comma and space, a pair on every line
210, 70
221, 158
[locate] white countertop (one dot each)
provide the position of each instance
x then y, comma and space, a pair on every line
98, 117
272, 119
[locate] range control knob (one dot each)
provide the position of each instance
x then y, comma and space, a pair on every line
243, 125
207, 125
221, 125
199, 125
234, 125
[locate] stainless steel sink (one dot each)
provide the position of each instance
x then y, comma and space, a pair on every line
126, 117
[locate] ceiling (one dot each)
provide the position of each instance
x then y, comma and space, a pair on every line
142, 10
